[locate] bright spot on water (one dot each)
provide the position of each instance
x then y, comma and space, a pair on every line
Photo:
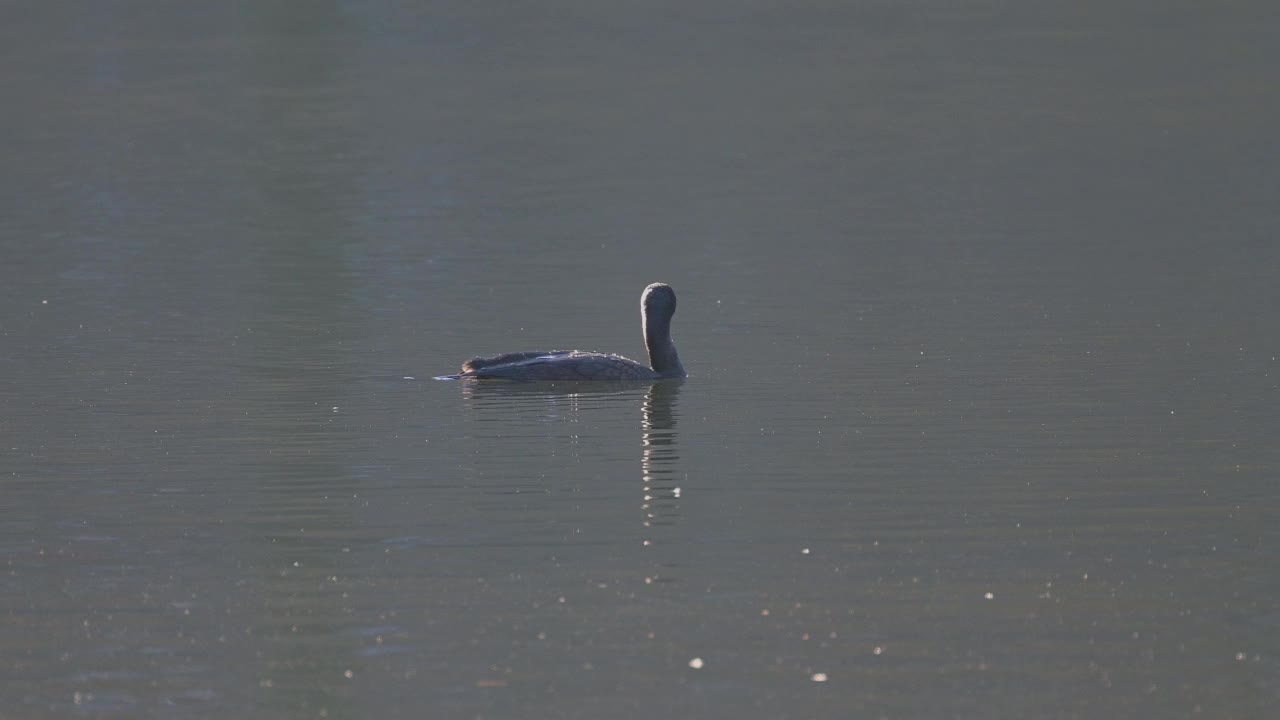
819, 677
990, 596
696, 663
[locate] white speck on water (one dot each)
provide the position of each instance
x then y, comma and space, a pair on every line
804, 551
990, 596
819, 677
696, 663
409, 377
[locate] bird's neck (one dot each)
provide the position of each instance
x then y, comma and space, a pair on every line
663, 357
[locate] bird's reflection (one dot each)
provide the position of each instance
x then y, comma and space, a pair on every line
659, 455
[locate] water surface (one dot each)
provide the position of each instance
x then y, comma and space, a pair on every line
977, 305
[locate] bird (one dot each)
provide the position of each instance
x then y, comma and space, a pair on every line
657, 306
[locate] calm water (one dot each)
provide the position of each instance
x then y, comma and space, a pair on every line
978, 304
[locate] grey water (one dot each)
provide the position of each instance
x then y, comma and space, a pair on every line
978, 303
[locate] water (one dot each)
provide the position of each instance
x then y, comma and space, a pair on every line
977, 305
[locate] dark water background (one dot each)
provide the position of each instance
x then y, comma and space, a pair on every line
978, 302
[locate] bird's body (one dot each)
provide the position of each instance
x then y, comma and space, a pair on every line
657, 306
566, 365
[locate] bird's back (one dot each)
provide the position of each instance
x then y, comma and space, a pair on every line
562, 365
480, 363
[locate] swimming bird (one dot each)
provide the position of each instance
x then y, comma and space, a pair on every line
657, 305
